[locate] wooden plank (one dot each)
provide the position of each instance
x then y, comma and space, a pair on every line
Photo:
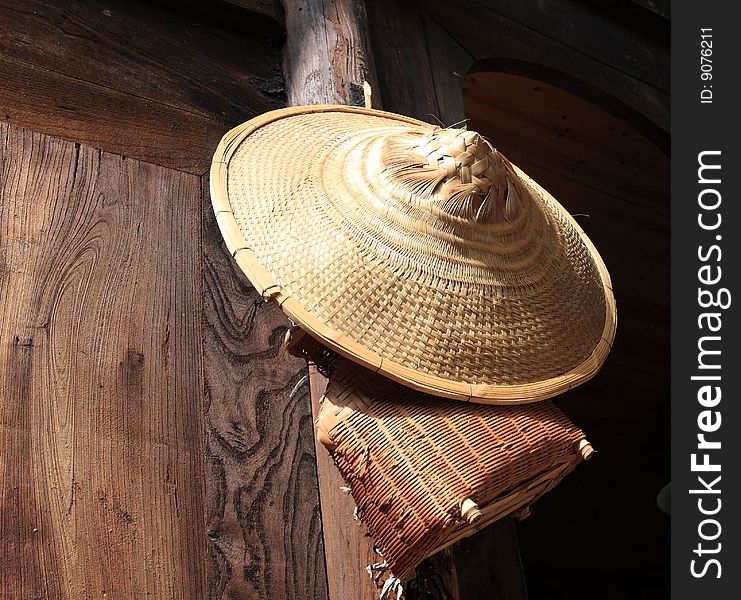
264, 524
449, 63
107, 119
653, 17
327, 57
100, 400
131, 78
268, 8
506, 46
398, 40
594, 32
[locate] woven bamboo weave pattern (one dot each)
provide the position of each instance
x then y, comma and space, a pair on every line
426, 471
417, 251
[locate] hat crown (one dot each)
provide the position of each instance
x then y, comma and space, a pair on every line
455, 170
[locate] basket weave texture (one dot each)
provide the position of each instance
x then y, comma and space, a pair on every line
419, 252
426, 471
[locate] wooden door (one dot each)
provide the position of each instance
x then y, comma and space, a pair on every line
149, 446
155, 440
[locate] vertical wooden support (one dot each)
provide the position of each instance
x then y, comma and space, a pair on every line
327, 54
261, 509
328, 59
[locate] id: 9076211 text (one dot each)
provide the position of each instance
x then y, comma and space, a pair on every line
706, 65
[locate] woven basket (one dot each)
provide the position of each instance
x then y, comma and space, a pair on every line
426, 472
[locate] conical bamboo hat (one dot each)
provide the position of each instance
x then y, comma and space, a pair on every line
419, 252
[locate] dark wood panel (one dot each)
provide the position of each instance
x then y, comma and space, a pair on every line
449, 63
131, 78
101, 395
264, 523
594, 32
506, 46
616, 183
399, 44
258, 19
652, 17
107, 119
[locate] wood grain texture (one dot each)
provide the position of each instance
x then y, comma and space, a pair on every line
449, 63
398, 39
100, 398
131, 78
263, 518
327, 53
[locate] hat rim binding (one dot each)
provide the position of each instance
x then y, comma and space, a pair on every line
270, 289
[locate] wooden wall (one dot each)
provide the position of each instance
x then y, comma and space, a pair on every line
155, 440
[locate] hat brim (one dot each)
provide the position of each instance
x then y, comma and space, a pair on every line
357, 350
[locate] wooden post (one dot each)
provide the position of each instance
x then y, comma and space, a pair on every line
328, 60
327, 54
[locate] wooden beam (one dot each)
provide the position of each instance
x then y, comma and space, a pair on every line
131, 78
328, 57
327, 53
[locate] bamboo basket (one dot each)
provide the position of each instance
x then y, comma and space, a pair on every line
426, 471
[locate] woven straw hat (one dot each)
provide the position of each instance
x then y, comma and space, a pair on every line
419, 252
